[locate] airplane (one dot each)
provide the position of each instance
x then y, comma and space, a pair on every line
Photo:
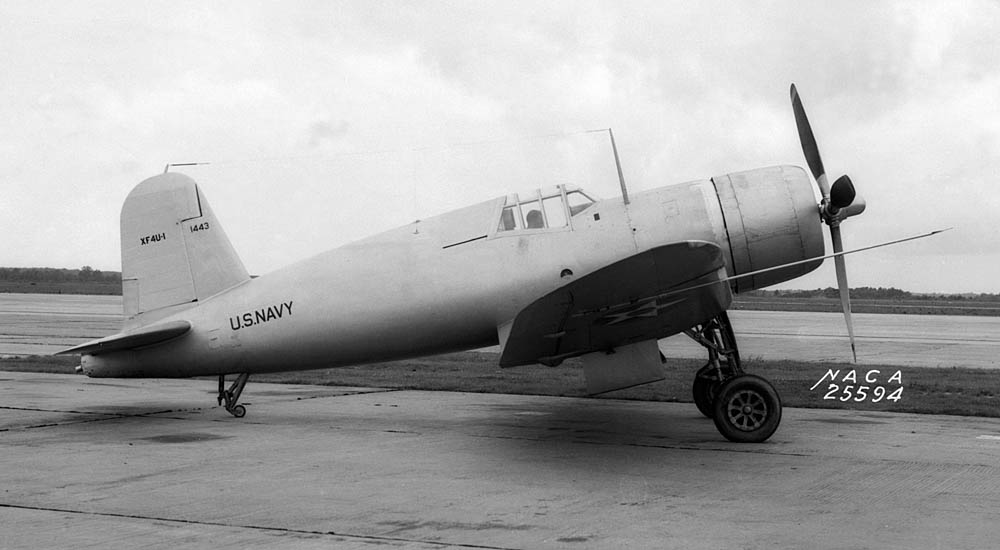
547, 276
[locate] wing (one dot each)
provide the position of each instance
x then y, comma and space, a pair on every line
642, 297
146, 336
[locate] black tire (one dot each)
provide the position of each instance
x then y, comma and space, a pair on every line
239, 411
747, 409
703, 390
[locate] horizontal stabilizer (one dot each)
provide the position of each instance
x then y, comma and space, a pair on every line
143, 337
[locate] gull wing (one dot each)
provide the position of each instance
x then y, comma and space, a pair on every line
643, 297
143, 337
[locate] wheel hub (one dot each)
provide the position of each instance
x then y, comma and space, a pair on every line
747, 410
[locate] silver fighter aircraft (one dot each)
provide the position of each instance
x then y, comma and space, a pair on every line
549, 275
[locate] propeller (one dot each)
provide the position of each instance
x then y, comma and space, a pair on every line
840, 202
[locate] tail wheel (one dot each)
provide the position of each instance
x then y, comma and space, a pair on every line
747, 409
231, 396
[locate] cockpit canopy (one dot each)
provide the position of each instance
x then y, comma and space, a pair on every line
545, 208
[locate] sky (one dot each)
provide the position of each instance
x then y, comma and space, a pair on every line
325, 122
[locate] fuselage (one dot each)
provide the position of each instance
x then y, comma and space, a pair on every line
446, 283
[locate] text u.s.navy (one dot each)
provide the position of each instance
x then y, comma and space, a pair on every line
260, 316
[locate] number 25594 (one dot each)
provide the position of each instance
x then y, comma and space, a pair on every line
860, 394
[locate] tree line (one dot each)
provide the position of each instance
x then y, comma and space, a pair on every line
96, 277
85, 274
873, 293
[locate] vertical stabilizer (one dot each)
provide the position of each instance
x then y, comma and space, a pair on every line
174, 251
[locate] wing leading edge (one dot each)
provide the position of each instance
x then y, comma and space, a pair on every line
643, 297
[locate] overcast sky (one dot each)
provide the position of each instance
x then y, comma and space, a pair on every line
328, 121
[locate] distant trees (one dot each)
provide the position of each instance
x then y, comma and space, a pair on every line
867, 292
871, 293
58, 275
97, 278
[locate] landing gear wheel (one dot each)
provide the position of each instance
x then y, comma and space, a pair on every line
232, 395
717, 337
706, 385
747, 409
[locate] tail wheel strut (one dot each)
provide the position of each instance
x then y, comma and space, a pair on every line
232, 395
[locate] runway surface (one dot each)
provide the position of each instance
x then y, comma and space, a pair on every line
89, 463
42, 324
38, 324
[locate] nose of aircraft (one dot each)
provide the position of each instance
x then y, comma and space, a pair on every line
771, 219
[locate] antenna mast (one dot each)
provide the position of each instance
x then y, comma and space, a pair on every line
618, 164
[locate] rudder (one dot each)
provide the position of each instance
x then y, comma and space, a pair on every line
174, 251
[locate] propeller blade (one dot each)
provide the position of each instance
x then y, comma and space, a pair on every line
809, 147
845, 292
856, 207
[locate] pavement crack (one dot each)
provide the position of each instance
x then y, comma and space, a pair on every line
372, 538
348, 393
101, 416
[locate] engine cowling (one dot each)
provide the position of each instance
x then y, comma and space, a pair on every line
771, 218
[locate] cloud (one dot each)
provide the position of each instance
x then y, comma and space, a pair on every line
314, 113
323, 131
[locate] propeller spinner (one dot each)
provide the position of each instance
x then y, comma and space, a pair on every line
839, 203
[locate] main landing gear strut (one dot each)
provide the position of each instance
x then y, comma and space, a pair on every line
746, 408
232, 395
